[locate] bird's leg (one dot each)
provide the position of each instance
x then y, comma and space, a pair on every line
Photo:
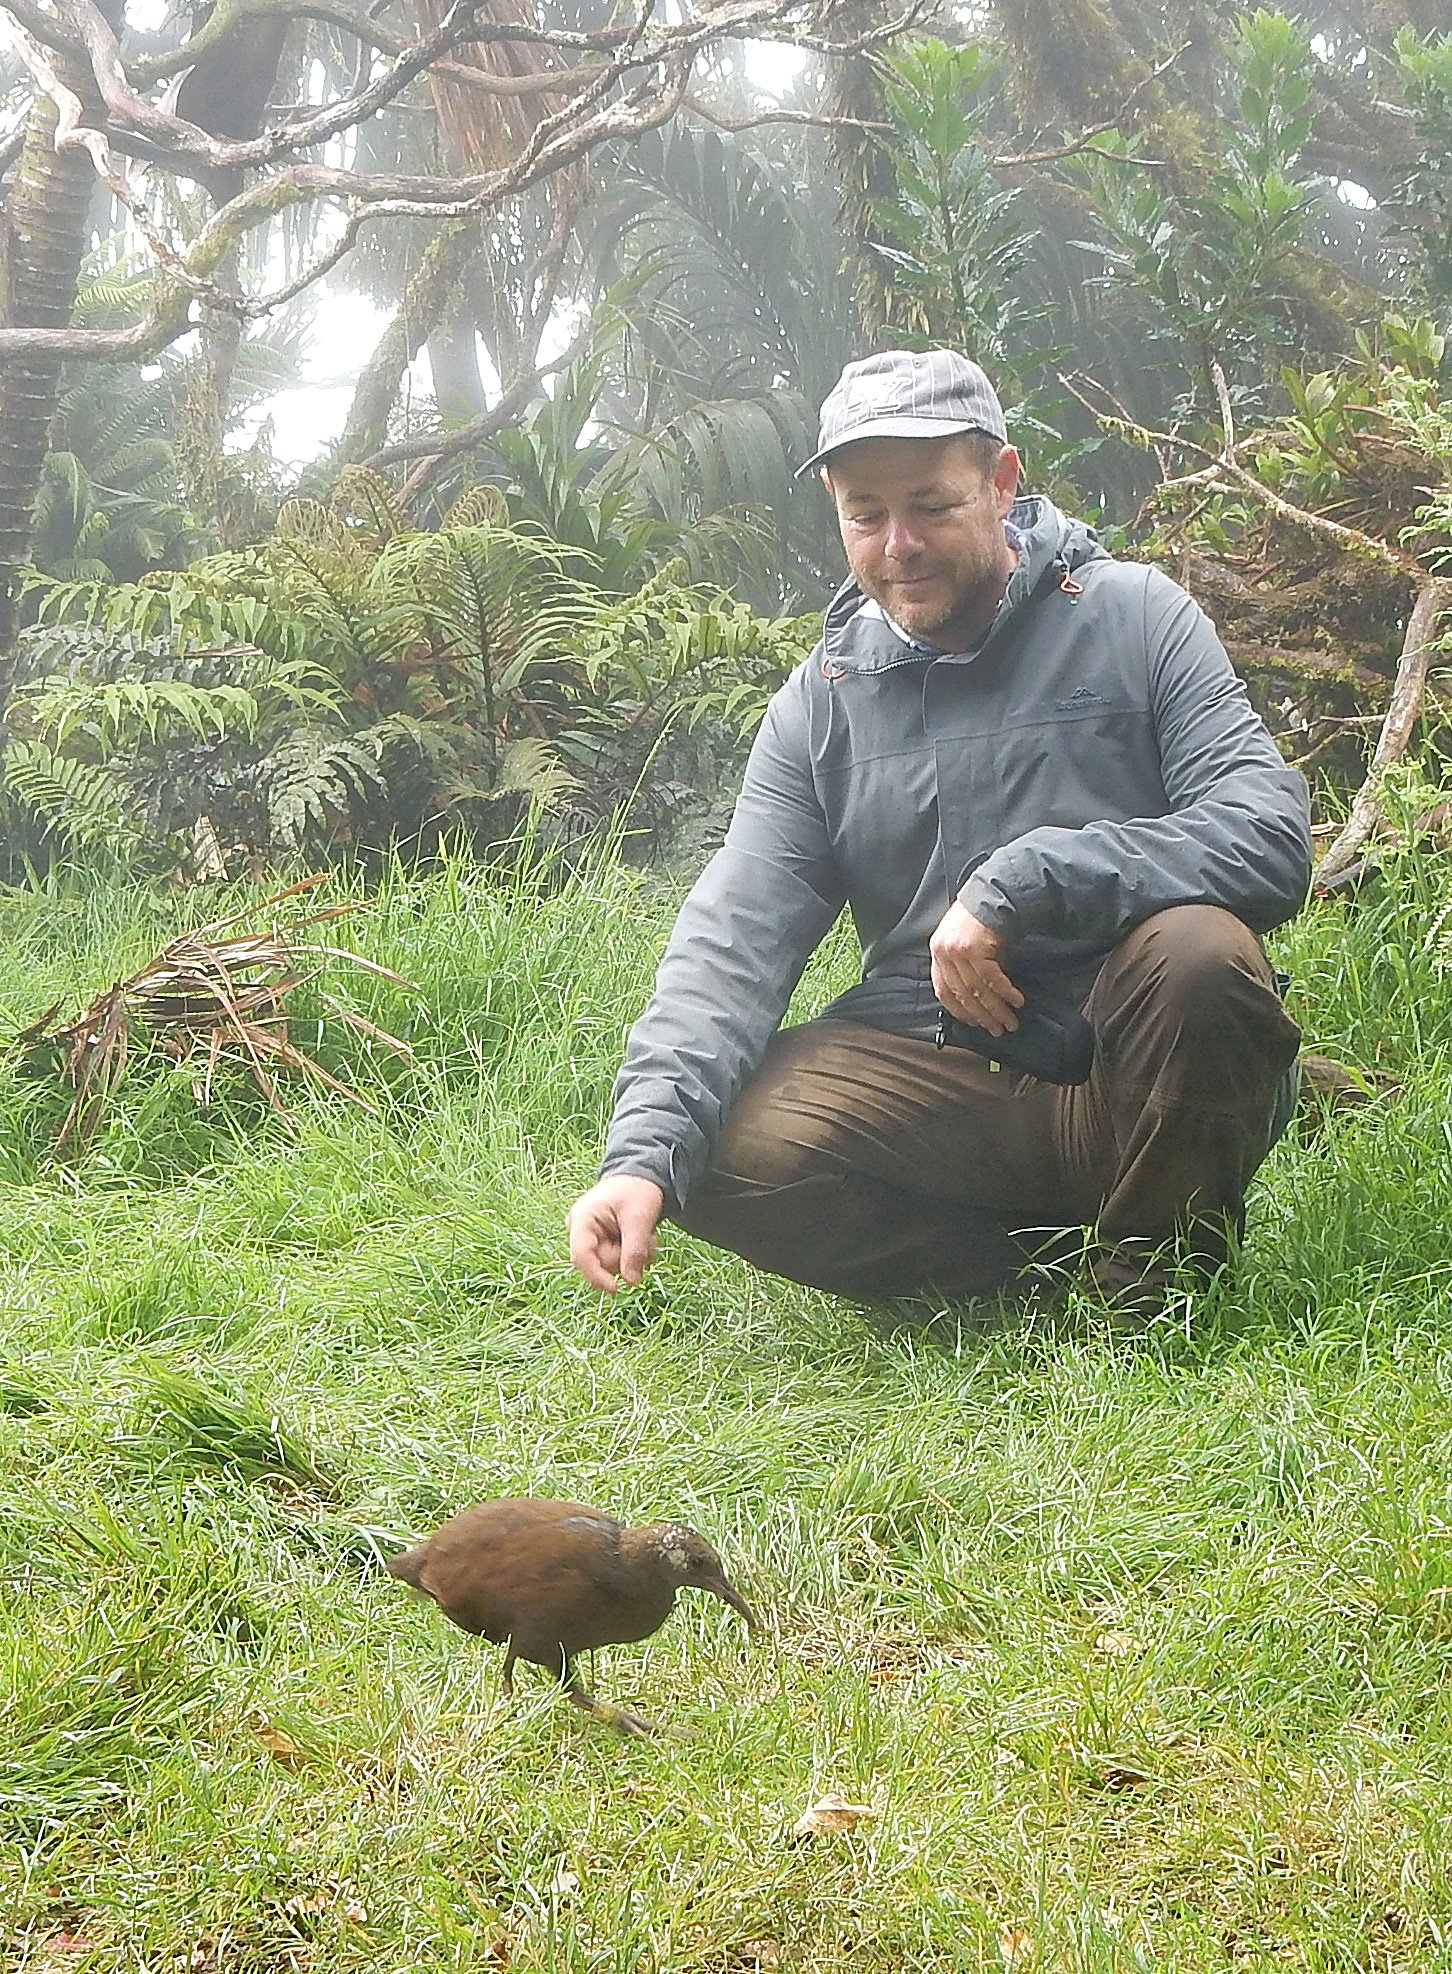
613, 1716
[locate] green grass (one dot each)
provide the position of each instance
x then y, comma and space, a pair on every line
1143, 1654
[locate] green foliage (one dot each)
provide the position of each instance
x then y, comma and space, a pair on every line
953, 237
361, 681
133, 741
109, 505
1008, 1563
1213, 253
732, 319
619, 507
668, 686
228, 1430
82, 803
1422, 208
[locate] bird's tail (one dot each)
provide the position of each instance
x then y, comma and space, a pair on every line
407, 1565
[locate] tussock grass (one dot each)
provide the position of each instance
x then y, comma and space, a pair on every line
1142, 1654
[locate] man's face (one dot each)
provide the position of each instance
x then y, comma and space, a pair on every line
922, 525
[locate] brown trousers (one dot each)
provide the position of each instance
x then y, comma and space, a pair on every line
873, 1165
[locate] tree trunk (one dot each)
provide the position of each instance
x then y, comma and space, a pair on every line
454, 364
426, 298
861, 165
46, 216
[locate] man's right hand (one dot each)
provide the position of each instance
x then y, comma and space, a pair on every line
612, 1230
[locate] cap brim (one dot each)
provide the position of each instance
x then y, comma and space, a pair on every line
899, 428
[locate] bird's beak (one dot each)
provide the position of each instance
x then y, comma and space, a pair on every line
730, 1595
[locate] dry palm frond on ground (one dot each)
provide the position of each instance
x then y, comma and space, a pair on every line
212, 997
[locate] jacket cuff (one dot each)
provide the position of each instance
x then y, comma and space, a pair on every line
652, 1165
986, 902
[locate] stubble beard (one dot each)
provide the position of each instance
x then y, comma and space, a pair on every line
967, 613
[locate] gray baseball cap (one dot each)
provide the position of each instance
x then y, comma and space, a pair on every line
907, 394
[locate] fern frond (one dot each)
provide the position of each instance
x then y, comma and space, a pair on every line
476, 507
532, 767
314, 780
81, 803
361, 495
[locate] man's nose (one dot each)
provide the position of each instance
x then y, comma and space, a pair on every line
902, 539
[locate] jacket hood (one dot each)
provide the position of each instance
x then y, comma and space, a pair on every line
1052, 544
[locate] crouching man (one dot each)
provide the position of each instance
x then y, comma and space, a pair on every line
1031, 773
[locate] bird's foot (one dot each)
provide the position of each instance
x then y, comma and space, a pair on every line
620, 1718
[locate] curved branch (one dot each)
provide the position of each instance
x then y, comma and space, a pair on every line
103, 51
1085, 140
353, 20
1433, 599
1225, 474
44, 27
167, 319
720, 122
438, 447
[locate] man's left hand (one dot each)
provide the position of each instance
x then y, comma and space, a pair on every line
967, 976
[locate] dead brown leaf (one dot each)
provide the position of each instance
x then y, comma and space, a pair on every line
833, 1813
1016, 1947
207, 1000
284, 1750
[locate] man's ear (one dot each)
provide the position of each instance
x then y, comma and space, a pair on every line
1005, 479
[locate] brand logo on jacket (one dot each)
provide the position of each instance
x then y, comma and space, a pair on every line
1078, 699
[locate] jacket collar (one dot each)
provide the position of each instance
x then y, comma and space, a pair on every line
859, 640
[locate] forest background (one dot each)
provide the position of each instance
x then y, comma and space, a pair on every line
1129, 1657
1206, 253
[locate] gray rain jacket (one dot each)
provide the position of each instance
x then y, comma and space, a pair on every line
1093, 761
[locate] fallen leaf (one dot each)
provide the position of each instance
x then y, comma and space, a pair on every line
64, 1942
833, 1812
1121, 1775
1015, 1946
278, 1743
336, 1896
1119, 1645
564, 1884
755, 1957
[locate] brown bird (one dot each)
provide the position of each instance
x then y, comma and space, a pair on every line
551, 1579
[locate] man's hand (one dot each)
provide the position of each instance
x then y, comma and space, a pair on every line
612, 1230
967, 977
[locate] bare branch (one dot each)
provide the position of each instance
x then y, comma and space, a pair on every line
1085, 141
1434, 598
714, 117
438, 447
1225, 474
44, 26
168, 318
104, 54
599, 102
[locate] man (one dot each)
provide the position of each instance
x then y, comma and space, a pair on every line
1031, 773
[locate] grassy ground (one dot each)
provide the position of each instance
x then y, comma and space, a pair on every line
1141, 1655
